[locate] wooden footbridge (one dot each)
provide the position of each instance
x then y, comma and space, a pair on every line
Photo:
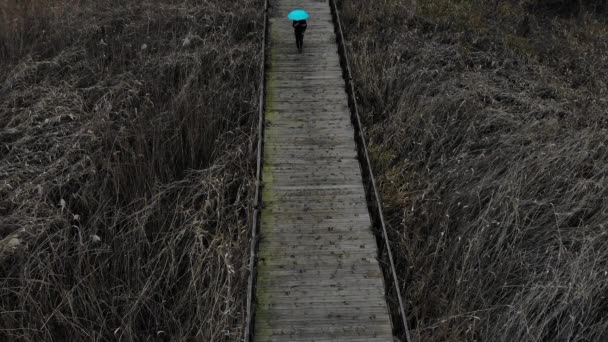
318, 275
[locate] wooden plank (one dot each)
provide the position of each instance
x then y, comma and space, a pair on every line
328, 311
320, 172
340, 132
281, 184
300, 246
312, 115
333, 277
321, 226
320, 292
323, 108
305, 203
335, 227
320, 262
362, 305
339, 216
295, 151
314, 94
347, 280
277, 176
288, 169
301, 136
318, 208
325, 262
307, 99
317, 293
320, 204
321, 112
330, 196
372, 320
310, 228
327, 169
304, 180
358, 269
336, 320
283, 135
338, 144
345, 177
317, 119
321, 128
311, 256
347, 215
346, 335
363, 270
279, 138
298, 143
317, 247
328, 339
295, 163
304, 255
299, 93
361, 329
371, 301
359, 236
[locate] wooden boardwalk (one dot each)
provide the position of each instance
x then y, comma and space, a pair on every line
318, 274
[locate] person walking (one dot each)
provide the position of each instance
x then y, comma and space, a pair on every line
299, 16
299, 27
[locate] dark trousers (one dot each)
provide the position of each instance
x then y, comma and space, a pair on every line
299, 40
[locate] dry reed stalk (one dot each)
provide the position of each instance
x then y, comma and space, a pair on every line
491, 153
126, 132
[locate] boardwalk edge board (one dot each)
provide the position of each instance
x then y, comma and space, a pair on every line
400, 319
250, 304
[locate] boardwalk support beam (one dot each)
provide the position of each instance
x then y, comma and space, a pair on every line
255, 210
398, 314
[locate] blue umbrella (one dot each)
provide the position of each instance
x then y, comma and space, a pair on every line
298, 14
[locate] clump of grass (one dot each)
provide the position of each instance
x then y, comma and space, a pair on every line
127, 131
493, 166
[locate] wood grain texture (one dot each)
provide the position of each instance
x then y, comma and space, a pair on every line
318, 275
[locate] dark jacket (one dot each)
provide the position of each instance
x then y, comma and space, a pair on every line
299, 26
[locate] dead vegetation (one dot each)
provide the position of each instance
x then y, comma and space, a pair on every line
126, 131
488, 132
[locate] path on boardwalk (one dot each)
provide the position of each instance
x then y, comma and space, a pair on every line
318, 276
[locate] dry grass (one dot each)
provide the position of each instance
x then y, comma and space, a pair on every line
491, 154
126, 131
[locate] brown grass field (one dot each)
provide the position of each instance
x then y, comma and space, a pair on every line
126, 171
127, 140
489, 138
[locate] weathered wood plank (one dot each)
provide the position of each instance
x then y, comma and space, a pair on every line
308, 228
314, 171
373, 320
303, 220
358, 235
266, 293
326, 261
319, 204
317, 247
308, 332
327, 339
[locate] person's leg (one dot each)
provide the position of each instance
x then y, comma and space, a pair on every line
299, 41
